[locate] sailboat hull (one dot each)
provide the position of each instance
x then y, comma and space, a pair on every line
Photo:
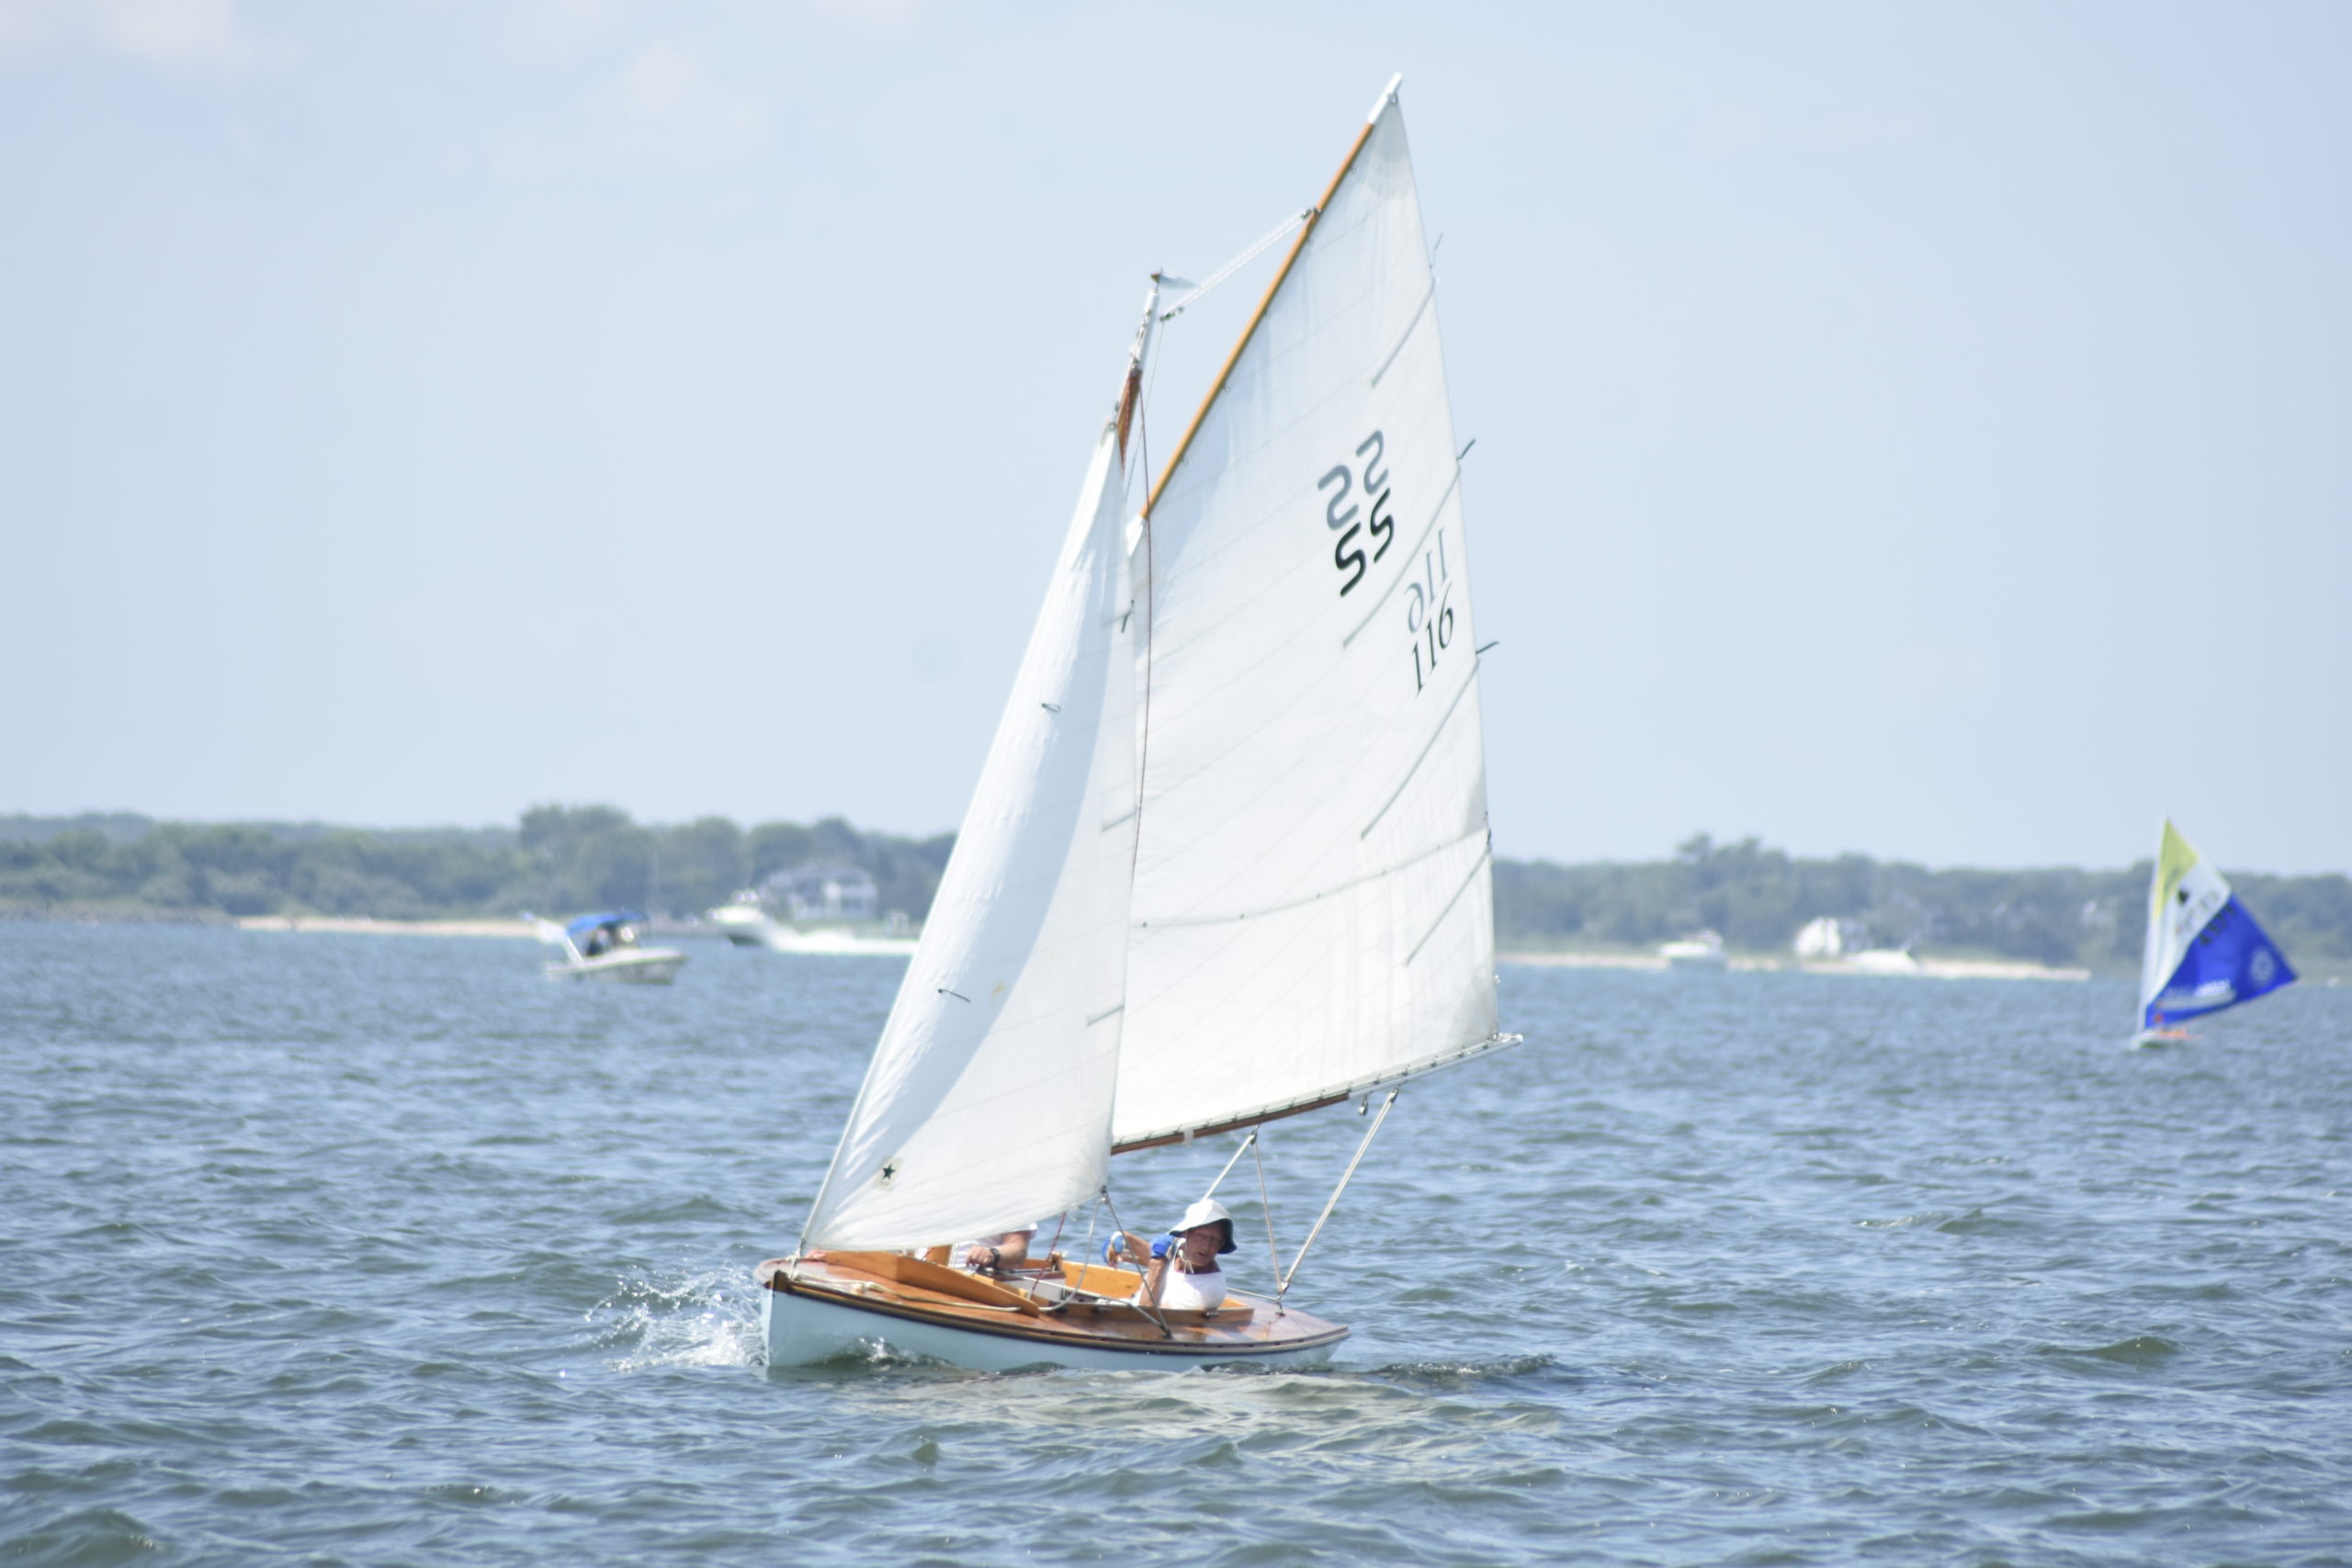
807, 1316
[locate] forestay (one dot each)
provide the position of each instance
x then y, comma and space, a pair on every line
988, 1103
1312, 901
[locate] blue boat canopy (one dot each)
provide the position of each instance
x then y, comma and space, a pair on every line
604, 921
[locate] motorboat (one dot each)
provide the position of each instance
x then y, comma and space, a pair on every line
603, 946
746, 922
1700, 949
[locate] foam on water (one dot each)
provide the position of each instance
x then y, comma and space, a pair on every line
705, 1317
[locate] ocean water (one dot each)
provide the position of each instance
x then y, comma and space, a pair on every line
351, 1249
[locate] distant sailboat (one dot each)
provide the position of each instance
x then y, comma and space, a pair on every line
2204, 951
1228, 860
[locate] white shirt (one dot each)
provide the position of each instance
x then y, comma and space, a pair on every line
1179, 1291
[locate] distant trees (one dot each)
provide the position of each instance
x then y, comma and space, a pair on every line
557, 858
1758, 897
562, 859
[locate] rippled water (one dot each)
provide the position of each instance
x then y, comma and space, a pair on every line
373, 1249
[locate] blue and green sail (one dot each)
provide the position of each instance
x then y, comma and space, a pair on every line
2204, 952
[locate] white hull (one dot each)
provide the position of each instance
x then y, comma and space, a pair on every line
783, 939
647, 966
760, 932
799, 1332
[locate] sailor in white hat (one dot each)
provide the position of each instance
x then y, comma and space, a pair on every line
1186, 1277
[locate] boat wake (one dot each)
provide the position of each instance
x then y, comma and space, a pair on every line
708, 1318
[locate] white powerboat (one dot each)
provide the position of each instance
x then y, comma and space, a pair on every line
1701, 950
746, 923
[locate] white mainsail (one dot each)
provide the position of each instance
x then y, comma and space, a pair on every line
988, 1103
1312, 903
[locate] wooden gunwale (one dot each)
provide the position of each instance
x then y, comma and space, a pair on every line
1192, 1342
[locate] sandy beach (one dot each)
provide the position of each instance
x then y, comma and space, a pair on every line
1927, 968
386, 928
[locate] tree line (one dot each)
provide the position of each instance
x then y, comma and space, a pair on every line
559, 860
1757, 898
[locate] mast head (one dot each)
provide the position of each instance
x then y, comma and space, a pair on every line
1387, 96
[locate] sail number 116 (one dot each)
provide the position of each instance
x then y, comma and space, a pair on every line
1428, 612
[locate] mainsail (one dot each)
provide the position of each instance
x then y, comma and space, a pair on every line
1267, 887
988, 1103
1313, 912
2204, 951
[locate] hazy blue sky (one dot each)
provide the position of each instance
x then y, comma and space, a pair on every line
1917, 429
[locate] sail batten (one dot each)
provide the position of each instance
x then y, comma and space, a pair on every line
1226, 917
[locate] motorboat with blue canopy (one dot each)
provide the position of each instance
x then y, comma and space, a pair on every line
603, 946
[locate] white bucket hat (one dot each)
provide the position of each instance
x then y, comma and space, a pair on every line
1207, 1211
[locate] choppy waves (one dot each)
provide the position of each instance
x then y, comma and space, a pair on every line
324, 1248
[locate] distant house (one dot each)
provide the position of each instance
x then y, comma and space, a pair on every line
824, 893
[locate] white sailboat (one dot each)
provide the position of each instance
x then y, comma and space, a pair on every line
1228, 860
2204, 952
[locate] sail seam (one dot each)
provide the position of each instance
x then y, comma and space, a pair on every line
1431, 745
1442, 914
1403, 865
1406, 336
1436, 515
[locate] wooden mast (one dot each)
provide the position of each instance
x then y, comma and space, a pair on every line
1315, 216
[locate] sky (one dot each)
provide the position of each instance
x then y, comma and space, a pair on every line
1917, 430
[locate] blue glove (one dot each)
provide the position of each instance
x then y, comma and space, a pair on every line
1160, 1248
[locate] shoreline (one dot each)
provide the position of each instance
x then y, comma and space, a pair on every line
363, 923
1927, 969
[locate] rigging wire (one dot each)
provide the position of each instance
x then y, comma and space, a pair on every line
1274, 236
1152, 1311
1345, 1177
1221, 1175
1266, 1203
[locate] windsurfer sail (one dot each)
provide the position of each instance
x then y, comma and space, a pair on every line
2204, 951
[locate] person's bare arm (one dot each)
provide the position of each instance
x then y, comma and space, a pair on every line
1153, 1278
1003, 1256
